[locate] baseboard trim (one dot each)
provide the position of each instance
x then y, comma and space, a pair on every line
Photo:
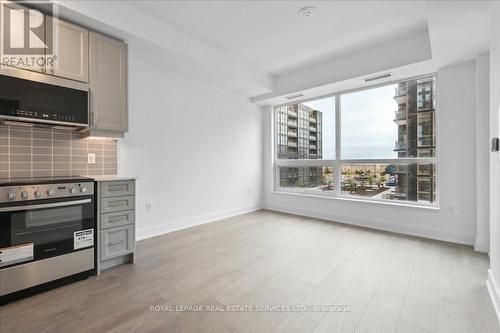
479, 246
194, 221
442, 235
494, 293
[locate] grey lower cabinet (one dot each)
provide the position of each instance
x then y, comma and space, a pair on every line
116, 242
115, 223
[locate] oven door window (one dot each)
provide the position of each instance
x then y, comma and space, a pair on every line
51, 229
47, 225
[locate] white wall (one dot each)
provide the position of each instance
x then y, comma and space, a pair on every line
195, 148
455, 220
494, 272
482, 241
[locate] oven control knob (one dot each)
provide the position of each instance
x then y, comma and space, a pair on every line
24, 195
83, 189
12, 196
50, 192
72, 190
38, 194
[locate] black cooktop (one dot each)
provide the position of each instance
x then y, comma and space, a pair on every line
43, 180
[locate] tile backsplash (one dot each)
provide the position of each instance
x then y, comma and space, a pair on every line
46, 152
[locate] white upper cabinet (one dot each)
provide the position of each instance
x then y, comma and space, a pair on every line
108, 84
71, 50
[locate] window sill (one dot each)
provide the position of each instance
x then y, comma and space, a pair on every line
359, 200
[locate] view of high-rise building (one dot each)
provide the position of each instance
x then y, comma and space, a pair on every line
415, 119
392, 123
414, 137
299, 136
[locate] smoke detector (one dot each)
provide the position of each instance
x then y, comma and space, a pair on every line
307, 11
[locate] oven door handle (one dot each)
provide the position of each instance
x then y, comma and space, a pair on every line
49, 205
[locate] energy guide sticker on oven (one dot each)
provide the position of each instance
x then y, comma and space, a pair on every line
83, 238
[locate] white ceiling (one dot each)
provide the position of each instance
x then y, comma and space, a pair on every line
458, 30
272, 36
265, 50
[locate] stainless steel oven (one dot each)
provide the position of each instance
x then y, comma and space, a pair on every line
46, 233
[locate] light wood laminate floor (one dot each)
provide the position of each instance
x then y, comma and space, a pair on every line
389, 282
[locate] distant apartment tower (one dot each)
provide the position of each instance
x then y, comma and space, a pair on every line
299, 137
415, 119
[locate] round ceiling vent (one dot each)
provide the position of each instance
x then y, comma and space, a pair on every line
307, 11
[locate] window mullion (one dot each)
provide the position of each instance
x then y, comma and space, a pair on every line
402, 160
336, 168
304, 163
337, 128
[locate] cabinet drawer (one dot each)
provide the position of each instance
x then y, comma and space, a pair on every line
117, 189
118, 204
117, 241
111, 220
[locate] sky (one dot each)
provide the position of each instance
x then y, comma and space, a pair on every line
368, 129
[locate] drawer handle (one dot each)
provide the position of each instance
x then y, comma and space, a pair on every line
117, 188
118, 203
115, 243
115, 219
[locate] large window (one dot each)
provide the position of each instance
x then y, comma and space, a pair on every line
373, 144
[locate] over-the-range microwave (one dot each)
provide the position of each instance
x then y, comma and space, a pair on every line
32, 101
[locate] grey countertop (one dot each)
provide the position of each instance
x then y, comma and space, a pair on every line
110, 178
